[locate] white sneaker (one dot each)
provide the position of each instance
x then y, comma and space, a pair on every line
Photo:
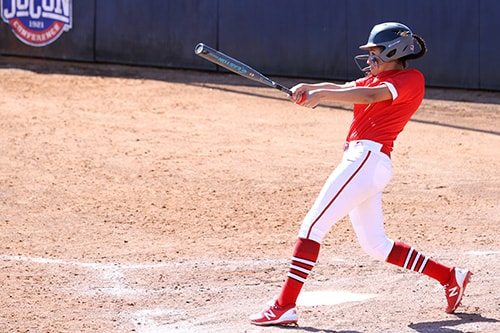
276, 315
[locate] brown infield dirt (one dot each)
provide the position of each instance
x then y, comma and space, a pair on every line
152, 200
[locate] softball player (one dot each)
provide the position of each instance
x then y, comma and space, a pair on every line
384, 101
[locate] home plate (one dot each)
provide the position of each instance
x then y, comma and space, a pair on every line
330, 297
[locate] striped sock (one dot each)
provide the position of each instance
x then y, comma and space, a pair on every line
304, 258
403, 255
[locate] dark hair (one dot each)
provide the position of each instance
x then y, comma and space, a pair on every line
420, 54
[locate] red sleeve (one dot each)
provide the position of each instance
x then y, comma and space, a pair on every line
409, 85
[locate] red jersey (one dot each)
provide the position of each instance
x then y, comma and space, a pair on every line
383, 121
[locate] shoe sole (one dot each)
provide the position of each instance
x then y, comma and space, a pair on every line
276, 323
287, 318
462, 290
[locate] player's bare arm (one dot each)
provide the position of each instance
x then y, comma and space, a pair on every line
356, 95
301, 88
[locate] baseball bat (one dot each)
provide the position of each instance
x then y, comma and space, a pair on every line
236, 66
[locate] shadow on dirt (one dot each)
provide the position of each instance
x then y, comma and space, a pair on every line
446, 326
312, 330
344, 108
214, 80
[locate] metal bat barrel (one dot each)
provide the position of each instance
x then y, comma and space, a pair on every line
236, 66
231, 64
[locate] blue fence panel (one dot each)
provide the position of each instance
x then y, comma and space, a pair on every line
451, 30
489, 49
286, 38
154, 32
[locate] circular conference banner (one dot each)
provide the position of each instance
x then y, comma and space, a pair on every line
37, 22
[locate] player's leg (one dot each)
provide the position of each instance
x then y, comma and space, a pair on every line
361, 175
368, 224
351, 183
282, 311
306, 251
454, 280
367, 220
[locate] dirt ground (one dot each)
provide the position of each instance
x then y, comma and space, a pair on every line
152, 200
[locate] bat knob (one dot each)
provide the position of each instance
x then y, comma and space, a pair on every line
199, 48
303, 98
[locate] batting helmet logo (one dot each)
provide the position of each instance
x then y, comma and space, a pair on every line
37, 22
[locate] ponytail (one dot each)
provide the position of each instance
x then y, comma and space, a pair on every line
420, 54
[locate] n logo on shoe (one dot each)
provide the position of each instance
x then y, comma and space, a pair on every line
269, 314
453, 291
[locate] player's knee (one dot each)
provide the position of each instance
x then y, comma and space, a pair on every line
377, 248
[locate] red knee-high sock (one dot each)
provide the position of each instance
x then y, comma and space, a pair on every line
304, 258
407, 257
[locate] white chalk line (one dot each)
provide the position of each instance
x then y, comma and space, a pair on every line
131, 266
115, 266
483, 253
113, 273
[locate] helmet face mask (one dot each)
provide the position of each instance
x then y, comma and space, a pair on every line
395, 39
362, 60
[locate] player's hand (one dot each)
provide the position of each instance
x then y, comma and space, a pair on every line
303, 95
299, 93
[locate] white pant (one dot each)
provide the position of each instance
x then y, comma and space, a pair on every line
354, 188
